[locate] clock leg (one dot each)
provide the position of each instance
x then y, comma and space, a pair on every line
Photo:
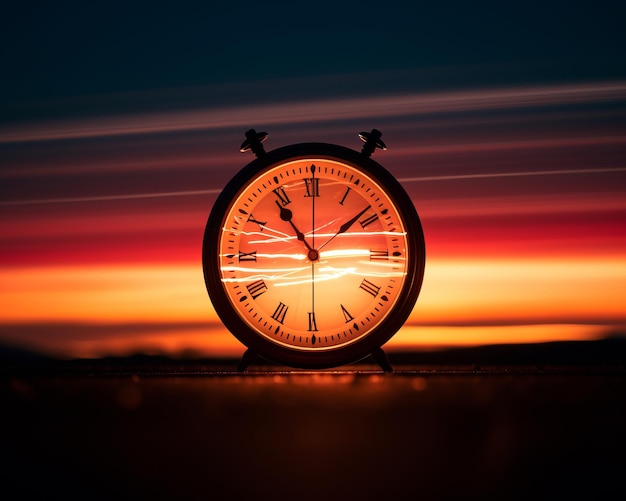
380, 357
248, 357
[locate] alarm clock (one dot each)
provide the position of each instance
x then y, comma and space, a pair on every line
313, 254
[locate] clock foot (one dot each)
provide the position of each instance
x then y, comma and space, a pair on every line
248, 357
380, 357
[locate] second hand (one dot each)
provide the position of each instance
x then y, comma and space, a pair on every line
313, 195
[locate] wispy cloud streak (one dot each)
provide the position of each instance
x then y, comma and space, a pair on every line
110, 198
317, 111
215, 191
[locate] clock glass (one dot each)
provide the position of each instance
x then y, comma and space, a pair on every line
312, 254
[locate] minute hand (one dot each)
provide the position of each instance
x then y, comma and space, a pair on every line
346, 226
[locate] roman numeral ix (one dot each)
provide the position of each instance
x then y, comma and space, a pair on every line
247, 256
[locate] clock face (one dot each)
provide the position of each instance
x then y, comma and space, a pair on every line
313, 256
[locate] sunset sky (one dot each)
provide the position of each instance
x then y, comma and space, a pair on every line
119, 128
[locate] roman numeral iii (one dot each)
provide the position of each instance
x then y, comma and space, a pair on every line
379, 254
369, 287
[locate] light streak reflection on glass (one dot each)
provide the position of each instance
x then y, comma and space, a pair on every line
329, 254
324, 272
269, 239
294, 256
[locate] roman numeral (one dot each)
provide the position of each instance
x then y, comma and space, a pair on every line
382, 255
343, 199
247, 256
260, 223
312, 323
369, 287
367, 221
280, 312
282, 196
312, 187
256, 288
346, 314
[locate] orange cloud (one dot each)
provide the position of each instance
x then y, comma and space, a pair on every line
462, 302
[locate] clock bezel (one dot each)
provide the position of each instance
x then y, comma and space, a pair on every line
379, 334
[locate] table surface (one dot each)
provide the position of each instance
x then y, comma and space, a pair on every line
144, 428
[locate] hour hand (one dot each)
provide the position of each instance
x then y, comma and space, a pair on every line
286, 215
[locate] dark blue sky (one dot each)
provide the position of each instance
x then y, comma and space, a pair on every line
56, 50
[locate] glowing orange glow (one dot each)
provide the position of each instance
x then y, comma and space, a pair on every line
522, 291
428, 338
105, 294
462, 303
455, 292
